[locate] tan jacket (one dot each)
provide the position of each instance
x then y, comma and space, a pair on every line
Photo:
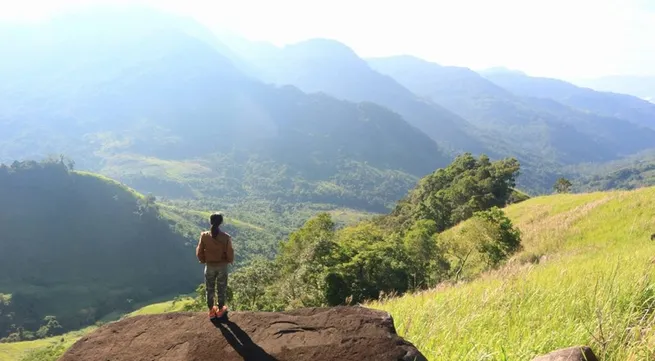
215, 251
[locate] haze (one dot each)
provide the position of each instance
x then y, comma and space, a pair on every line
567, 39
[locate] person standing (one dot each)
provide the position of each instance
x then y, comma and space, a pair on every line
215, 251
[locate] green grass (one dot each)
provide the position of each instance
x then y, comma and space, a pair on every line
180, 171
161, 307
181, 215
15, 350
593, 284
110, 181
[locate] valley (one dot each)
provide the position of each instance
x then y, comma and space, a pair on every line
506, 211
579, 262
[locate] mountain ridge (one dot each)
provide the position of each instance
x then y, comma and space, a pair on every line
313, 67
522, 120
627, 107
214, 115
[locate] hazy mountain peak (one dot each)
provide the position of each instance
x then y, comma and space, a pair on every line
501, 70
403, 59
411, 71
408, 62
323, 48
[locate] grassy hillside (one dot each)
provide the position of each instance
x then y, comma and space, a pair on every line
585, 276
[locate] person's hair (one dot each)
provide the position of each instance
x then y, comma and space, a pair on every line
216, 220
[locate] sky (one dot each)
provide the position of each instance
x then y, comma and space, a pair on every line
567, 39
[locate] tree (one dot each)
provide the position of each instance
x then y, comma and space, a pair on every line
50, 327
452, 194
498, 237
424, 258
305, 259
459, 245
562, 185
484, 241
372, 262
251, 285
199, 302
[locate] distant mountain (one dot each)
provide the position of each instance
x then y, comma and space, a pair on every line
321, 65
642, 86
627, 107
157, 106
538, 126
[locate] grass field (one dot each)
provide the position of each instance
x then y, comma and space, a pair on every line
585, 276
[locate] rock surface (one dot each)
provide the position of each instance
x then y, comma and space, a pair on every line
576, 353
318, 334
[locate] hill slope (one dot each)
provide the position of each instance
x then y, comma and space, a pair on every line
77, 247
585, 276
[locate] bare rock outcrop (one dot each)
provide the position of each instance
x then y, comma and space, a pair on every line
576, 353
317, 334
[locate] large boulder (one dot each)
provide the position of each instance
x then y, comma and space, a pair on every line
317, 334
576, 353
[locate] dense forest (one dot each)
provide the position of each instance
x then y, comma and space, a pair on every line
406, 250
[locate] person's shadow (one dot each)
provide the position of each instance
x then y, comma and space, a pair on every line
241, 342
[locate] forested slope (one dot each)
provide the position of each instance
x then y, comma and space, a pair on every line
321, 264
77, 247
